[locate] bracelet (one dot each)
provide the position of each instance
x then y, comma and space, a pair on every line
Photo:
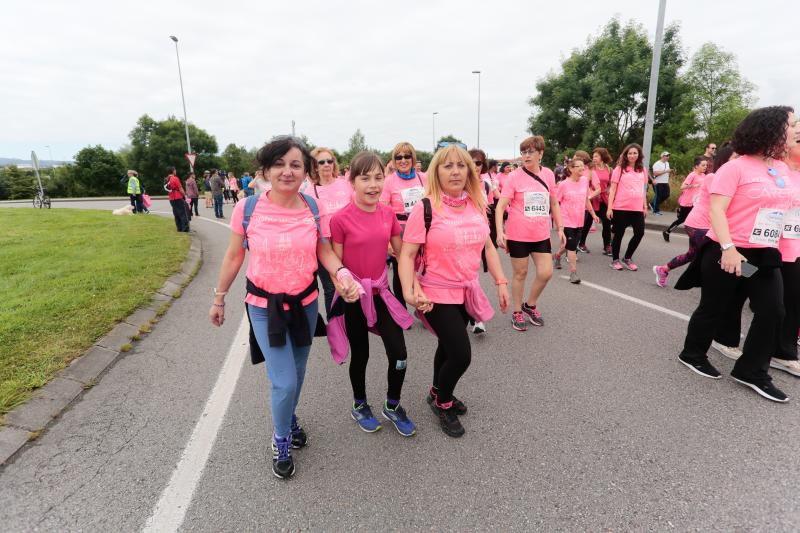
219, 293
215, 304
340, 268
501, 282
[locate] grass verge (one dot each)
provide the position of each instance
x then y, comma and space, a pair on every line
67, 276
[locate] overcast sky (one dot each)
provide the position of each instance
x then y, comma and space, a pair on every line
80, 73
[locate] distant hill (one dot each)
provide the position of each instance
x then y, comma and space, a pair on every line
43, 163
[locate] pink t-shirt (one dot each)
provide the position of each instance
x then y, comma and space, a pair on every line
233, 184
501, 180
572, 197
755, 213
401, 195
486, 183
529, 209
789, 244
689, 196
333, 196
452, 248
587, 175
630, 189
600, 178
700, 217
364, 237
282, 247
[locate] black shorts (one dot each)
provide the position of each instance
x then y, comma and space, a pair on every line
573, 237
520, 249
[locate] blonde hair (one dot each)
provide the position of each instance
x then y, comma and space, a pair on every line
405, 147
472, 187
314, 153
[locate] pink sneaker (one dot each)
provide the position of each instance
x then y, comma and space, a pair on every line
616, 265
630, 265
661, 275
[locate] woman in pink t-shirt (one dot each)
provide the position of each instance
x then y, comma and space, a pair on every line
627, 204
750, 197
445, 290
574, 199
403, 188
530, 193
333, 193
600, 173
488, 186
690, 191
594, 191
361, 231
284, 241
233, 184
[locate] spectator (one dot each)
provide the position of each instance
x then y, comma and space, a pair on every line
207, 187
135, 191
661, 174
192, 192
217, 186
246, 179
710, 153
177, 199
233, 184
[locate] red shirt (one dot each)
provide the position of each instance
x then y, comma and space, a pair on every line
174, 185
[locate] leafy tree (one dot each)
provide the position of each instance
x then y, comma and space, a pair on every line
156, 146
450, 138
720, 95
97, 171
238, 159
15, 184
357, 143
600, 96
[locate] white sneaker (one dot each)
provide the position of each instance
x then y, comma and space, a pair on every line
787, 365
479, 328
731, 352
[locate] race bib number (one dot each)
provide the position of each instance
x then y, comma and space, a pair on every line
536, 204
768, 227
791, 224
411, 196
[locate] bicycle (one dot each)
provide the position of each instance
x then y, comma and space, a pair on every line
41, 199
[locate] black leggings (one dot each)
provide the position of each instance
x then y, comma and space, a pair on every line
683, 212
393, 343
453, 353
194, 206
397, 288
621, 221
587, 225
787, 333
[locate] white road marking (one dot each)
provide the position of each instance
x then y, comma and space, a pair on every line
170, 511
643, 303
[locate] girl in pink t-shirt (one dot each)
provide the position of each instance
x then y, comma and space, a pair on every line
750, 197
446, 291
361, 232
627, 204
600, 173
690, 192
234, 186
574, 199
284, 245
530, 193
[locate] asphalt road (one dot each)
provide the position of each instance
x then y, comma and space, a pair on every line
589, 423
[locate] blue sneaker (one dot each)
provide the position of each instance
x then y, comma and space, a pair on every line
398, 417
363, 416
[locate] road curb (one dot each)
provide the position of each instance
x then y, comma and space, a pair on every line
25, 423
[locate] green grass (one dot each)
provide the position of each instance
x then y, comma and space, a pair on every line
66, 277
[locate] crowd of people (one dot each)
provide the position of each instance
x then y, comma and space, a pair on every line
437, 230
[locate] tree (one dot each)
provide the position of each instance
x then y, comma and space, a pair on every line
356, 144
720, 95
156, 146
450, 138
600, 96
238, 159
98, 171
15, 184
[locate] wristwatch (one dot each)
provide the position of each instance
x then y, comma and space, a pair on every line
726, 246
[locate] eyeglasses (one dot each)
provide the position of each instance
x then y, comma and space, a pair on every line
527, 152
478, 163
325, 162
398, 157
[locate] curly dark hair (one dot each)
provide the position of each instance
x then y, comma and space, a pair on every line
763, 132
277, 148
724, 153
622, 160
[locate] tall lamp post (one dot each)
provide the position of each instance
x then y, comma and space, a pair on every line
433, 120
652, 93
478, 72
183, 99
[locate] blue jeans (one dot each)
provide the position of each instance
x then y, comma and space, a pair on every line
218, 205
286, 367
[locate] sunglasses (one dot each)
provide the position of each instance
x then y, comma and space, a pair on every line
325, 162
398, 157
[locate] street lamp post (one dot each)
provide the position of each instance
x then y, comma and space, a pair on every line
183, 99
51, 154
478, 72
652, 93
433, 120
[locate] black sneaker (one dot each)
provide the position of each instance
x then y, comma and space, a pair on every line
449, 422
704, 367
299, 437
763, 387
665, 234
533, 314
458, 406
282, 463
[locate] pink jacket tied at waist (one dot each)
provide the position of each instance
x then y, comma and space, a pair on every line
337, 333
475, 300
